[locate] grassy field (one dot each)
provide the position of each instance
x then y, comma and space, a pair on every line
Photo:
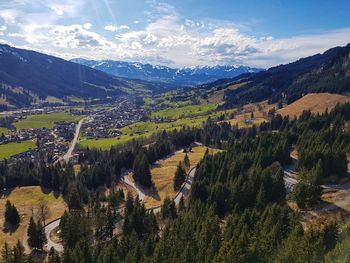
4, 130
190, 110
240, 121
44, 120
315, 102
145, 129
26, 200
163, 174
10, 149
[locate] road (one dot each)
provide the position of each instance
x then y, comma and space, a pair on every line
185, 189
50, 243
290, 180
68, 155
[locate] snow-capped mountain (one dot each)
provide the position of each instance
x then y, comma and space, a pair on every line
179, 76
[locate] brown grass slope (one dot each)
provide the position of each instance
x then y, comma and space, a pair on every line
315, 102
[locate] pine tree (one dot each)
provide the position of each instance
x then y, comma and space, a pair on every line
187, 163
18, 253
11, 214
182, 206
53, 256
180, 176
6, 254
32, 233
36, 235
142, 172
42, 240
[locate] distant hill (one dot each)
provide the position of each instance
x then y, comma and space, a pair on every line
315, 102
327, 72
179, 76
28, 76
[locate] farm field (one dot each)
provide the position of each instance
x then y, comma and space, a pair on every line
44, 120
315, 102
145, 129
26, 200
163, 173
13, 148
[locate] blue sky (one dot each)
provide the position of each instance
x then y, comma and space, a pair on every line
177, 33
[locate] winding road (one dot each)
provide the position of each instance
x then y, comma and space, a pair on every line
185, 189
290, 180
50, 243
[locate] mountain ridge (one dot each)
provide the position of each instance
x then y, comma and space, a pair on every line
326, 72
28, 76
180, 76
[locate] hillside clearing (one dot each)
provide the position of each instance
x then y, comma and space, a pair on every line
190, 110
26, 200
315, 102
164, 170
13, 148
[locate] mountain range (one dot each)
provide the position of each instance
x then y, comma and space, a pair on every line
327, 72
27, 77
178, 76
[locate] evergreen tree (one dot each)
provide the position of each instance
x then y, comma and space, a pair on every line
32, 233
11, 214
187, 163
36, 235
180, 176
18, 253
6, 254
142, 172
53, 256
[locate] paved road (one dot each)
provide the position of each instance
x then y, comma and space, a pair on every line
140, 191
48, 229
68, 154
290, 180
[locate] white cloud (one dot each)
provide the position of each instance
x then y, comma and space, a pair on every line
115, 28
9, 15
167, 38
87, 25
3, 28
65, 7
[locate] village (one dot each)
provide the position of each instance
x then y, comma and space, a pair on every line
51, 144
106, 124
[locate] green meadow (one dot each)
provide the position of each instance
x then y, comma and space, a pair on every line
10, 149
43, 120
185, 111
140, 130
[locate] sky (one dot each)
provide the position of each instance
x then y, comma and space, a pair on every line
177, 33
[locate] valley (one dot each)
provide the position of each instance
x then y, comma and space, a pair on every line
104, 160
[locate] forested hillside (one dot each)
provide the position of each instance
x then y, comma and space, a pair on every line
327, 72
237, 210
